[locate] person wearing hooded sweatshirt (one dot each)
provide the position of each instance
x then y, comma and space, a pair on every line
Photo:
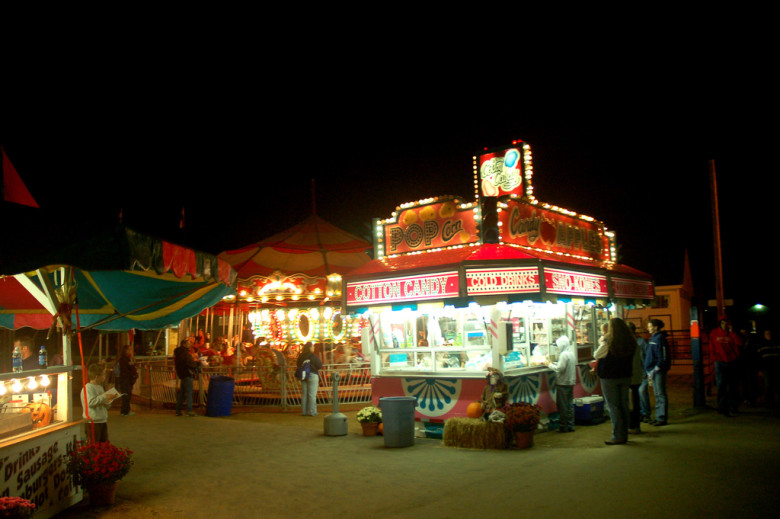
658, 360
637, 407
724, 350
567, 378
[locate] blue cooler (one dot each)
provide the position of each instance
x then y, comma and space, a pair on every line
589, 410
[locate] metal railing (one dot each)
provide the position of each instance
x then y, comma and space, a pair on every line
256, 386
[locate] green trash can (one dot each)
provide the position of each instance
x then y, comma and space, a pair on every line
220, 397
398, 420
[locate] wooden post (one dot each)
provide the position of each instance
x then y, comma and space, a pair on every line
720, 302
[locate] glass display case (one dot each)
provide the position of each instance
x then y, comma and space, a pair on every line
436, 340
29, 401
447, 340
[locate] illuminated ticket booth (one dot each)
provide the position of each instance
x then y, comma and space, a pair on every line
459, 287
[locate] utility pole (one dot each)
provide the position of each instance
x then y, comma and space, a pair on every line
720, 301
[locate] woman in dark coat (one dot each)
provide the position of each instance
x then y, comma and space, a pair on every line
127, 377
615, 357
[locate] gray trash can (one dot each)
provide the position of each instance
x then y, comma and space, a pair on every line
398, 420
220, 397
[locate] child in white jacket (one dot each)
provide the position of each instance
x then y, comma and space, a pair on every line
96, 402
567, 378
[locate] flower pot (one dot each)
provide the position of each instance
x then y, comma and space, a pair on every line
524, 439
370, 428
102, 494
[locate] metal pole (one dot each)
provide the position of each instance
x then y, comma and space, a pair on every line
716, 242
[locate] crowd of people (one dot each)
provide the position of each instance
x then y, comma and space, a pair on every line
746, 367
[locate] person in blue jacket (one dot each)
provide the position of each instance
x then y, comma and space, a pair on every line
657, 363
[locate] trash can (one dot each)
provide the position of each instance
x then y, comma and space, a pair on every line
220, 397
398, 420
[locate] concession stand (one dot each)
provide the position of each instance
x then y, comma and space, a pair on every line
457, 287
114, 279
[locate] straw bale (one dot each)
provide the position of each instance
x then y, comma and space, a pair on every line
474, 433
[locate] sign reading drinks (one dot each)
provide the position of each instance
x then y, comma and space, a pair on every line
35, 469
408, 288
502, 280
430, 226
528, 225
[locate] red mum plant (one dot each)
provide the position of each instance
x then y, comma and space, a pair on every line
98, 463
16, 507
522, 416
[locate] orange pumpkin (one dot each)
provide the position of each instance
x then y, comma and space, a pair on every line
474, 410
41, 413
380, 428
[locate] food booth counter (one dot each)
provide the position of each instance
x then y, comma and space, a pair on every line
459, 287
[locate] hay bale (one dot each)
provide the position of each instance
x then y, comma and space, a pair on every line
474, 433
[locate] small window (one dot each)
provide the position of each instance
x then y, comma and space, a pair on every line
660, 301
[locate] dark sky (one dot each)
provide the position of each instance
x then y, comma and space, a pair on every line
240, 153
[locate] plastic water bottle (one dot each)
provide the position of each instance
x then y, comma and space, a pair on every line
43, 357
17, 359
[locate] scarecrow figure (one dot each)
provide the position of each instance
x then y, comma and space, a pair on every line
494, 395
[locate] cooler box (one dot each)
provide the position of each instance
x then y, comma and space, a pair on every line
589, 410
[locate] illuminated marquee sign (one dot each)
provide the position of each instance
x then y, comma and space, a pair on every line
575, 283
500, 172
631, 288
403, 289
430, 226
531, 226
504, 280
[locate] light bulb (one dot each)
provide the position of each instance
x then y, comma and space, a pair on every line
16, 386
32, 384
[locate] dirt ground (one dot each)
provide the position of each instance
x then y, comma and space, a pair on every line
278, 465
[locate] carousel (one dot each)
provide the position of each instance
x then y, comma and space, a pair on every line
289, 293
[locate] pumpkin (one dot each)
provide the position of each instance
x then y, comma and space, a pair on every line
380, 428
41, 413
474, 410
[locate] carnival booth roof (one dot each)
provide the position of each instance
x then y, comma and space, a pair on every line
313, 248
123, 280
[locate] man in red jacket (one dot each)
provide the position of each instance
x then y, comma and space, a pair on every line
724, 349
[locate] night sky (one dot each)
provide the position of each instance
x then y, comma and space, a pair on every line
632, 153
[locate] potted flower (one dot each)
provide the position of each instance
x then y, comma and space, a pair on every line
370, 417
522, 419
16, 507
98, 467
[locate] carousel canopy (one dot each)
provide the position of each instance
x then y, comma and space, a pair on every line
302, 256
123, 279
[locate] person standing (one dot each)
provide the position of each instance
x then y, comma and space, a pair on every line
186, 368
749, 366
95, 403
644, 385
724, 350
311, 384
637, 379
564, 384
29, 361
615, 357
769, 355
128, 374
658, 360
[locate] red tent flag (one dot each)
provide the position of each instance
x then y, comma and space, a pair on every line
12, 188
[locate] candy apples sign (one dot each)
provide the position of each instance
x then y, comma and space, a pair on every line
501, 172
430, 226
528, 225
